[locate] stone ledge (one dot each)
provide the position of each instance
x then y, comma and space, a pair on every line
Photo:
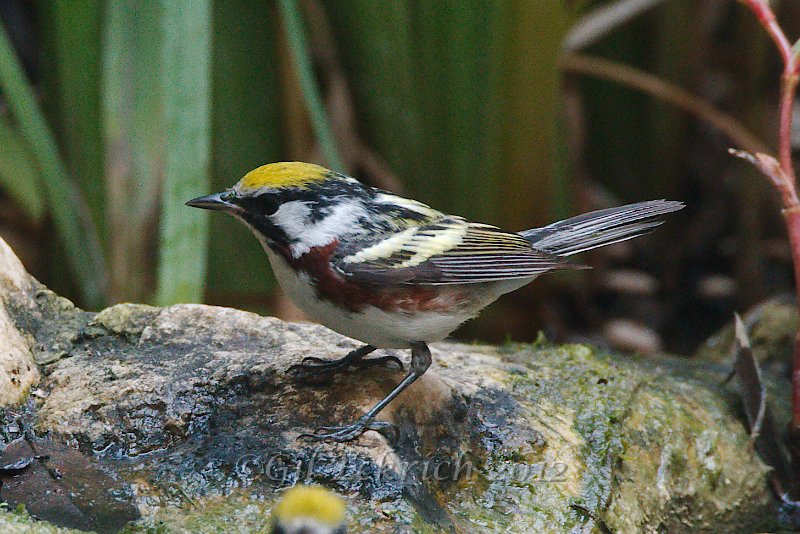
191, 406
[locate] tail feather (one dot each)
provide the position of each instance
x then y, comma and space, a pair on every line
600, 228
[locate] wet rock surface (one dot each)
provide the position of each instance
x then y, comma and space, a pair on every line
191, 407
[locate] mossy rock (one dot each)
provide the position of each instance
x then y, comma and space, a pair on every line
192, 407
771, 327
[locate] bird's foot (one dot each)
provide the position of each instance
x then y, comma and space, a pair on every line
311, 365
341, 434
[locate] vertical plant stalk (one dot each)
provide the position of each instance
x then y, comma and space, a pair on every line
133, 137
295, 31
73, 87
70, 213
525, 119
781, 172
19, 175
245, 132
186, 97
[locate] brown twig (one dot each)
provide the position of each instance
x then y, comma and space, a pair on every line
664, 90
771, 168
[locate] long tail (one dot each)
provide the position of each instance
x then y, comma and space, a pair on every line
599, 228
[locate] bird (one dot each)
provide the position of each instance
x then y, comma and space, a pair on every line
393, 272
309, 510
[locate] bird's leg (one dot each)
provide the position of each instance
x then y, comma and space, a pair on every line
420, 361
355, 358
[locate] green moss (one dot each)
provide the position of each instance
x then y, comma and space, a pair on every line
635, 428
125, 319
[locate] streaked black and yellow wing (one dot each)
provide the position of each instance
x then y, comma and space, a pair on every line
448, 251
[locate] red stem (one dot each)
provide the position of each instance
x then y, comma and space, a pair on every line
792, 217
788, 89
784, 176
767, 19
791, 71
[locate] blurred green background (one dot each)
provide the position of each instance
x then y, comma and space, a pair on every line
116, 113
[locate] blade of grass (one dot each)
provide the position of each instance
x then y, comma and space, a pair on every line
430, 40
133, 133
371, 35
70, 213
186, 64
246, 125
293, 20
526, 112
19, 176
467, 79
453, 48
71, 81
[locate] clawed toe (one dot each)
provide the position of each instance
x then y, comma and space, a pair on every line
311, 365
311, 374
386, 429
302, 369
341, 434
337, 434
313, 360
383, 360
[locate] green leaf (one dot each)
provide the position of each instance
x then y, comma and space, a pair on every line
186, 85
427, 113
71, 215
19, 176
466, 66
298, 43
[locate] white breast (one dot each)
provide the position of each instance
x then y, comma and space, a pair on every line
379, 328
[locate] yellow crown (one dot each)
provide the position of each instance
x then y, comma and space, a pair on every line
312, 502
282, 174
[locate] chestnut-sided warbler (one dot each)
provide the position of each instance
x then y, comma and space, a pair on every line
393, 272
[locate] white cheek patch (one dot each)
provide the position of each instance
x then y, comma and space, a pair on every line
294, 218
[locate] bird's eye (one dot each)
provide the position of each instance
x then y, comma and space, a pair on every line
229, 195
268, 204
261, 206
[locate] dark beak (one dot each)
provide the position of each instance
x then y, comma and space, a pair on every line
217, 201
